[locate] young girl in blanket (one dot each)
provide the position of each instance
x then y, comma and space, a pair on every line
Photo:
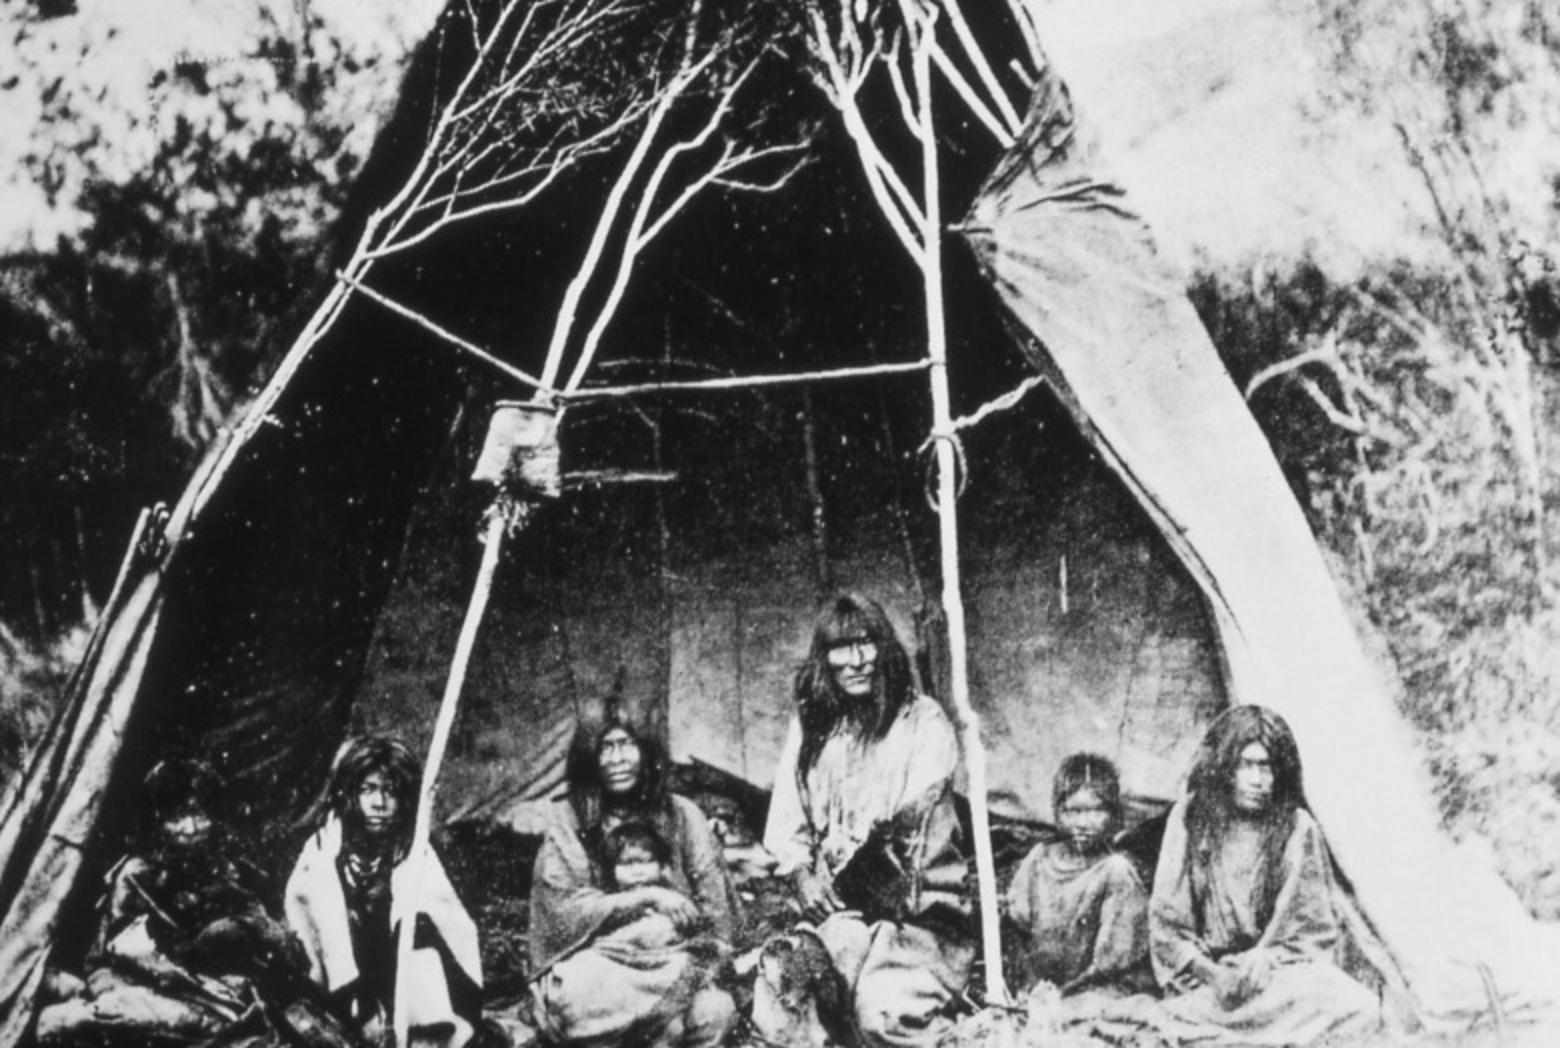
1080, 908
353, 885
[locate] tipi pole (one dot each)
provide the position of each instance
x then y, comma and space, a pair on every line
948, 522
492, 545
520, 458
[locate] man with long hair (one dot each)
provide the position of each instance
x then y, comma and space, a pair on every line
345, 902
1245, 918
862, 820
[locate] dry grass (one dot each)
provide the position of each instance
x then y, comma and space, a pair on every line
992, 1028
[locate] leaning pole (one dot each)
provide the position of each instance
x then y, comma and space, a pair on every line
520, 460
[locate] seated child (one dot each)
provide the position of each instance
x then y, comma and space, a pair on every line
1080, 908
653, 962
349, 892
641, 858
184, 947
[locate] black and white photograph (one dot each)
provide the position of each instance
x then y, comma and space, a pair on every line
779, 523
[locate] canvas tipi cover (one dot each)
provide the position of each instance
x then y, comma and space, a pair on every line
1078, 268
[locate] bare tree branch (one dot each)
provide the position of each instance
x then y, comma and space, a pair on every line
977, 57
1029, 30
643, 229
568, 312
1343, 418
1004, 137
845, 65
1285, 367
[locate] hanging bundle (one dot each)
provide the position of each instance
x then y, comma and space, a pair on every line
521, 452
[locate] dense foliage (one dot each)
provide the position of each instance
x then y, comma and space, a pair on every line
1413, 405
188, 226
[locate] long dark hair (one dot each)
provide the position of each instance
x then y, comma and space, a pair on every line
821, 706
356, 760
1211, 801
650, 800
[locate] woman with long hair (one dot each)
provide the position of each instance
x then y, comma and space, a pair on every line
588, 987
343, 900
863, 822
1245, 918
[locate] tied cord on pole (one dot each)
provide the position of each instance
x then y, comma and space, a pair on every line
961, 465
1006, 402
509, 508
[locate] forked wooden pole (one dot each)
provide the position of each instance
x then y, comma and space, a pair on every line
948, 521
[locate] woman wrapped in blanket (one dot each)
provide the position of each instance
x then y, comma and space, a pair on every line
596, 978
184, 951
1245, 914
351, 888
862, 819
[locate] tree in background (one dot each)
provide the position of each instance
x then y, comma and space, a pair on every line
1413, 406
190, 216
199, 210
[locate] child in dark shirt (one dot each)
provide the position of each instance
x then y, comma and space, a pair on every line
1081, 908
